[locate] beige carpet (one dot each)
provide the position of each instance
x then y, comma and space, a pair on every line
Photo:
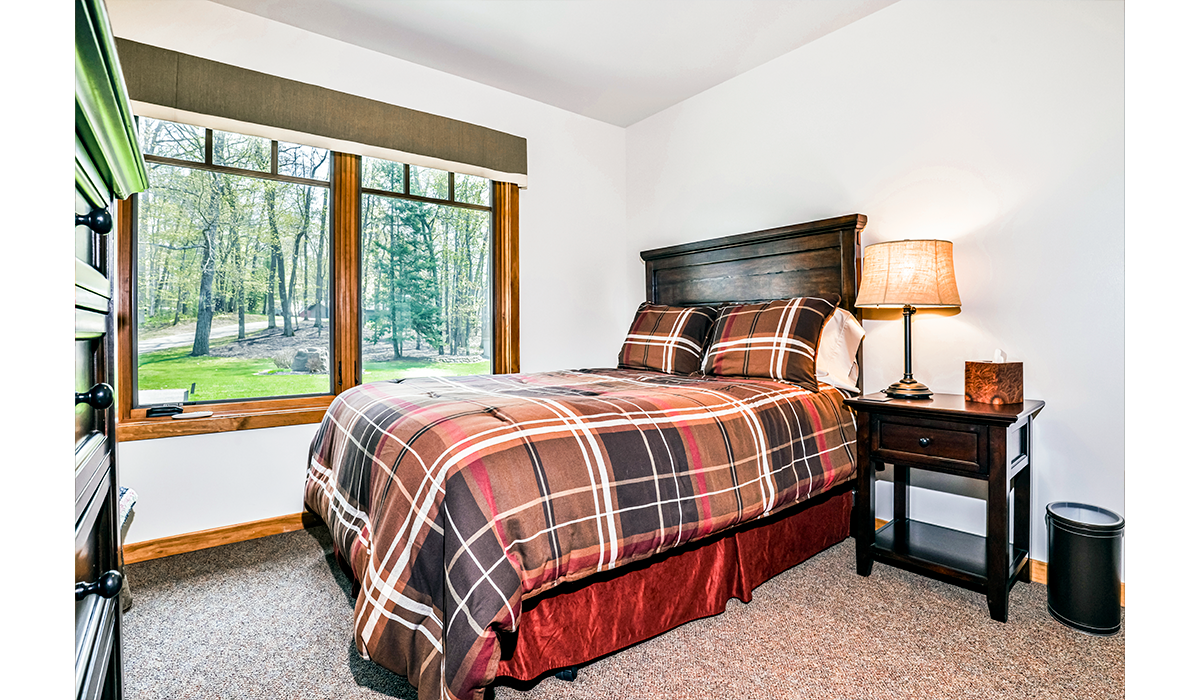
271, 618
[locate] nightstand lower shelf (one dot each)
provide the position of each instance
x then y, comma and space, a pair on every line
950, 555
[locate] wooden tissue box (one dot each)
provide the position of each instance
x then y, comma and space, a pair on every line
995, 382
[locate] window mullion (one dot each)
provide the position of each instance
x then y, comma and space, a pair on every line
346, 211
506, 295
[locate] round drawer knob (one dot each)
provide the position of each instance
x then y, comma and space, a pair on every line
98, 397
924, 442
98, 220
107, 586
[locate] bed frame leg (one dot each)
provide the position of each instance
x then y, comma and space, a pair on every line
567, 674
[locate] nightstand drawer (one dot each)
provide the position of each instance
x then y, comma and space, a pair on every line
949, 448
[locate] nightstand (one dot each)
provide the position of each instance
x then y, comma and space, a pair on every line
951, 435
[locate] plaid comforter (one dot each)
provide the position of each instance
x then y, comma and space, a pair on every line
454, 499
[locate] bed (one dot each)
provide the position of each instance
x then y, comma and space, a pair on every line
514, 525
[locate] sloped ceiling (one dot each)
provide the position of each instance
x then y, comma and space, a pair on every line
618, 61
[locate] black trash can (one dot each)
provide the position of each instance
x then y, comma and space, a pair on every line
1084, 572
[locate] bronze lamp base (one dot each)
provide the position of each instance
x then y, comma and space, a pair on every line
908, 388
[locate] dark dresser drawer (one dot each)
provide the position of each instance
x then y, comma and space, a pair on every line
946, 446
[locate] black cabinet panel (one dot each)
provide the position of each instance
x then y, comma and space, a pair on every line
108, 166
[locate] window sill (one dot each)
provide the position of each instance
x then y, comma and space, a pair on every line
226, 417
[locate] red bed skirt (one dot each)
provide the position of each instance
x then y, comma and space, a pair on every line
582, 621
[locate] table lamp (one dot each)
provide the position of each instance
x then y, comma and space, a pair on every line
908, 275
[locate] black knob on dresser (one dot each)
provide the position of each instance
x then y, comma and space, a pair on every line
108, 585
924, 442
98, 220
98, 397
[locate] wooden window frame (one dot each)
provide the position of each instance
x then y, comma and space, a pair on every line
345, 285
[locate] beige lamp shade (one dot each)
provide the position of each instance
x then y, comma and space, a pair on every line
908, 273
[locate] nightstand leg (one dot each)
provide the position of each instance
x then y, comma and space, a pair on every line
997, 525
900, 481
1021, 501
864, 511
997, 603
1021, 523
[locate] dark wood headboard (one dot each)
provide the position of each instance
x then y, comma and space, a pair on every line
809, 259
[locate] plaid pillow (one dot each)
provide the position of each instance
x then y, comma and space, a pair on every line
667, 338
777, 340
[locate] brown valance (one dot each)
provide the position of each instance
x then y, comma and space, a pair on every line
166, 84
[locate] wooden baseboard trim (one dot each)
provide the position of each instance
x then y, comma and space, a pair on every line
1037, 569
194, 541
1037, 572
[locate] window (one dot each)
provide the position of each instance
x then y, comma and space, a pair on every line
426, 273
262, 279
232, 268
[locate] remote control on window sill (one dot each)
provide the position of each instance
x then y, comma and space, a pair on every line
193, 414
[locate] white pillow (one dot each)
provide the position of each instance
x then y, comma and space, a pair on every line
837, 353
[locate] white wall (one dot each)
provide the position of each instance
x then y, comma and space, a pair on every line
997, 125
572, 306
185, 484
